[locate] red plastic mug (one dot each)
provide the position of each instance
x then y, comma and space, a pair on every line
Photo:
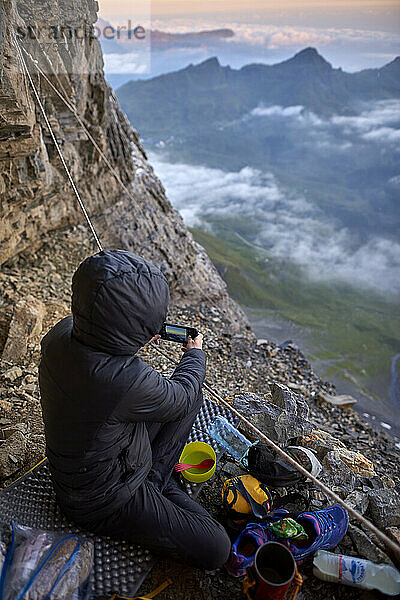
274, 570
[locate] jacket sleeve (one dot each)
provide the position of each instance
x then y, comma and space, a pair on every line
154, 397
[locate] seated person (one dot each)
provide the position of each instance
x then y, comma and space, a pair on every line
114, 426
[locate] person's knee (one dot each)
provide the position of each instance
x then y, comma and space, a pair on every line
199, 401
218, 550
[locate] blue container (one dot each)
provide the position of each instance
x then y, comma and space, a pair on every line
229, 438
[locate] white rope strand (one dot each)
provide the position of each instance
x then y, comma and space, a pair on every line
16, 44
80, 121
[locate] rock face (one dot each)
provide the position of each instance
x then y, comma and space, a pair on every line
284, 418
12, 452
26, 323
384, 507
36, 196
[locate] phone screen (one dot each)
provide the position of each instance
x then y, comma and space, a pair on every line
176, 334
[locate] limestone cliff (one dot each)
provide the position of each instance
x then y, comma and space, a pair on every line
36, 196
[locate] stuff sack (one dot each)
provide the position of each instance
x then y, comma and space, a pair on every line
46, 565
244, 498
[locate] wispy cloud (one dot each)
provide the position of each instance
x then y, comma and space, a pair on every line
370, 125
383, 134
290, 227
276, 110
129, 63
272, 35
383, 112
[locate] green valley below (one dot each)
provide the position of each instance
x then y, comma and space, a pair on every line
351, 333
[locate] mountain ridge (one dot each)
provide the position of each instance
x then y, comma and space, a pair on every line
210, 92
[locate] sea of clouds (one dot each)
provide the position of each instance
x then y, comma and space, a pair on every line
289, 226
376, 122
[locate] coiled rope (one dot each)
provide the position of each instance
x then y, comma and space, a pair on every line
395, 548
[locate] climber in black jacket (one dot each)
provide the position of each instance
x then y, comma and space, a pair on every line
114, 426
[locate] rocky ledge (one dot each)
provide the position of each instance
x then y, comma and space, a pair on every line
276, 386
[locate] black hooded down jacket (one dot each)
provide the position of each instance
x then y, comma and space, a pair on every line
96, 394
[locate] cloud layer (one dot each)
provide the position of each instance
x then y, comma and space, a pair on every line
377, 122
289, 226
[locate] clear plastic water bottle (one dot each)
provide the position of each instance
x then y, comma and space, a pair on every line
229, 438
357, 572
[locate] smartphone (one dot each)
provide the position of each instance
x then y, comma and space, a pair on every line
177, 333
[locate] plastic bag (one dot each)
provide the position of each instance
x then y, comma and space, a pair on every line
3, 552
43, 565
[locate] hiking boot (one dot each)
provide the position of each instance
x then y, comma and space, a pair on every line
246, 545
325, 529
306, 458
268, 466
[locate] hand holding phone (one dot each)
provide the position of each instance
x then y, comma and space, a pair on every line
197, 342
178, 333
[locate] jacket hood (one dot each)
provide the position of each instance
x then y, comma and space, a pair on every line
119, 301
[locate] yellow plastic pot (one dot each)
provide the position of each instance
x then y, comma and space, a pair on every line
193, 454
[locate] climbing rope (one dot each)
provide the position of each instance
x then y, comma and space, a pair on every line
78, 118
259, 434
42, 110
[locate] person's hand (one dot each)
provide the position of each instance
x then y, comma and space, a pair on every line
197, 342
154, 340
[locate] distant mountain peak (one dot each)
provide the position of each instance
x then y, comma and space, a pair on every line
309, 56
394, 64
210, 62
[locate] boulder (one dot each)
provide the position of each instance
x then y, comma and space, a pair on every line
12, 374
283, 397
339, 477
322, 442
366, 547
283, 418
342, 400
13, 451
358, 500
26, 323
384, 507
357, 462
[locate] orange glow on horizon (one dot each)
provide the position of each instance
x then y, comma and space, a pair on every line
123, 8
